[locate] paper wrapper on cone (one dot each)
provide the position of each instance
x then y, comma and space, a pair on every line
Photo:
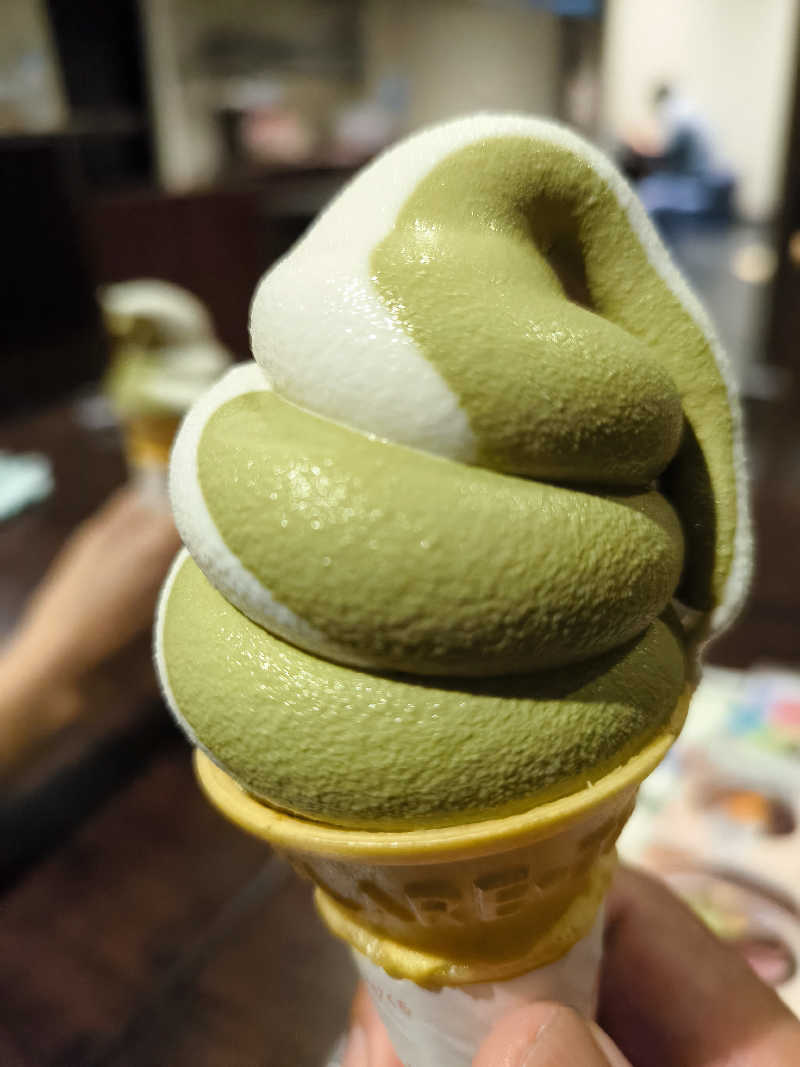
459, 924
446, 1025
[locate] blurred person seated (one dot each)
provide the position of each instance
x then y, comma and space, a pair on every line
97, 596
677, 175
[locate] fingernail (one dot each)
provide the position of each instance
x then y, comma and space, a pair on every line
532, 1055
355, 1053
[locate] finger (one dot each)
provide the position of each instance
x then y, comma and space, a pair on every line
356, 1053
673, 995
368, 1043
128, 509
547, 1035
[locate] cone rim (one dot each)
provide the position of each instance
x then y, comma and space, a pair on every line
297, 834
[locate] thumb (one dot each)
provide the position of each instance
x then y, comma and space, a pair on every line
548, 1035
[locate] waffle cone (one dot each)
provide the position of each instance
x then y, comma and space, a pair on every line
148, 439
481, 902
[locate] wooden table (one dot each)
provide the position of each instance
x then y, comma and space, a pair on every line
161, 935
152, 932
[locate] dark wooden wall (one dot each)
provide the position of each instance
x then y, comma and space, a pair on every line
212, 243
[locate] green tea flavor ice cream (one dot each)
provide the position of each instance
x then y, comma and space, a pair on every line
455, 539
453, 545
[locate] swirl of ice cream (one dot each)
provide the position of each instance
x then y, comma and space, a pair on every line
436, 535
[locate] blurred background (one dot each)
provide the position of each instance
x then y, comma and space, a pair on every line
155, 158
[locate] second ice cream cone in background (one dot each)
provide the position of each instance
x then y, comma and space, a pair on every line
453, 547
163, 356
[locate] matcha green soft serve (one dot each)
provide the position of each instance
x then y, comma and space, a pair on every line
440, 541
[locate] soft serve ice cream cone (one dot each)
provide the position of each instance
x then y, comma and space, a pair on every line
164, 355
453, 545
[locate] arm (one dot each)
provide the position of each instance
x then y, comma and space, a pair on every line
98, 594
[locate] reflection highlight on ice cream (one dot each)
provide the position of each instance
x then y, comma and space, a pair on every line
164, 354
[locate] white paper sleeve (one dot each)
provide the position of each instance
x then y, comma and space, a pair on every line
446, 1027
